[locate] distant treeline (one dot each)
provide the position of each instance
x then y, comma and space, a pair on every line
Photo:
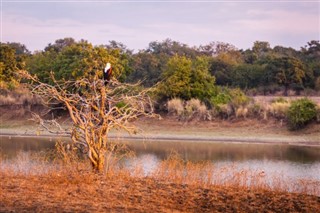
178, 70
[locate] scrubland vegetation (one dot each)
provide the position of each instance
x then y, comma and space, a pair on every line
296, 113
211, 82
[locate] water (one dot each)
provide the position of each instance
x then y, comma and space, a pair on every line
293, 162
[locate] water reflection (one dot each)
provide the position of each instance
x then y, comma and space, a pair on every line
11, 146
235, 152
293, 161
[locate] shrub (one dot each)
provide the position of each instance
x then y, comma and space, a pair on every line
254, 109
242, 112
194, 106
230, 101
224, 110
221, 98
175, 106
279, 109
238, 98
300, 113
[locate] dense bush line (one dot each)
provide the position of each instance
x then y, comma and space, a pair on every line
296, 113
211, 80
260, 69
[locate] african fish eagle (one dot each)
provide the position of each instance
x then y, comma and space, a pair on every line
107, 73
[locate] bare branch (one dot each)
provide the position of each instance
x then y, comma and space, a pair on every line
94, 109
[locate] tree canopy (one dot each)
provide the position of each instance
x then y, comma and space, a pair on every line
260, 66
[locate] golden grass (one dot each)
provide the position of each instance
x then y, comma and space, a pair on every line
175, 106
51, 184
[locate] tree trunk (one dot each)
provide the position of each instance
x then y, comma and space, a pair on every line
285, 92
98, 163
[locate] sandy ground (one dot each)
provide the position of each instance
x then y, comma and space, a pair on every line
249, 131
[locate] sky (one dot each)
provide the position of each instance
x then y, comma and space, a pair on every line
36, 23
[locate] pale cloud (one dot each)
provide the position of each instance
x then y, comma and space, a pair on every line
137, 24
37, 33
281, 21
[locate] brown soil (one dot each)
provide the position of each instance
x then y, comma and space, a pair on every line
89, 192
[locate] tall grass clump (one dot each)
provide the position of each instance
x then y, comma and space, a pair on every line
175, 106
230, 102
279, 108
300, 113
194, 108
186, 110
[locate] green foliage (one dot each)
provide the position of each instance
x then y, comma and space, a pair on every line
185, 78
234, 98
223, 64
223, 97
71, 60
248, 75
287, 71
147, 68
12, 59
184, 71
279, 100
300, 113
238, 98
8, 63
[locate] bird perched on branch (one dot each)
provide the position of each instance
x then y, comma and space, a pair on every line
107, 73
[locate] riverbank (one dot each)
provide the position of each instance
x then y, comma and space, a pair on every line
169, 189
237, 131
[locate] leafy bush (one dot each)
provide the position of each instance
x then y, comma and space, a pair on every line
300, 113
221, 98
238, 98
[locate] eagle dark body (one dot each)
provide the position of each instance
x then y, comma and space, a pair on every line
107, 73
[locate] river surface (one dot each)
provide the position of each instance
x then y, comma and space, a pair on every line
294, 162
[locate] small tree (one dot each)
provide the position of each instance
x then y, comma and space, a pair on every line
288, 71
94, 109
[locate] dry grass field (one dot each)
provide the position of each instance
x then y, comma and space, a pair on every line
175, 186
122, 193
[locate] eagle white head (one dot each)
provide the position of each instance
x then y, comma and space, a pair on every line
108, 66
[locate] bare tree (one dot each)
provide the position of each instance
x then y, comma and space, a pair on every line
94, 109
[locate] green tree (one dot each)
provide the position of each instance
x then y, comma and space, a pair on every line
185, 78
12, 58
146, 68
261, 48
222, 66
288, 71
8, 63
60, 44
311, 57
216, 48
70, 60
41, 64
248, 75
